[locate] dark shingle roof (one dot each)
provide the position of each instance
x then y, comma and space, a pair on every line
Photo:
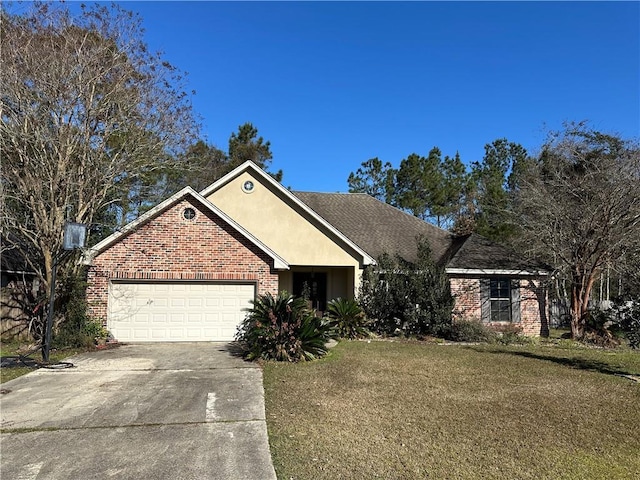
475, 251
377, 227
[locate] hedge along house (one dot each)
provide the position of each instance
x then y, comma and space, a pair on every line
187, 269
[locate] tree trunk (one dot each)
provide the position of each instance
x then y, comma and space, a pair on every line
580, 294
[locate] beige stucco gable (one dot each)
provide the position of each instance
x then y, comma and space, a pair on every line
286, 228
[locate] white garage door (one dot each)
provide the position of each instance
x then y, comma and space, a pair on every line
177, 312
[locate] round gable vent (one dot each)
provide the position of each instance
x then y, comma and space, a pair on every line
248, 186
188, 213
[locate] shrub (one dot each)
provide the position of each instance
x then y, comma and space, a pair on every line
625, 317
347, 319
600, 329
630, 323
509, 334
469, 331
72, 332
406, 298
283, 328
94, 329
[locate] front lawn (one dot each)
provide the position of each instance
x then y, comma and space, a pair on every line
407, 410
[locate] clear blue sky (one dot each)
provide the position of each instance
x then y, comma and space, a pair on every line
332, 84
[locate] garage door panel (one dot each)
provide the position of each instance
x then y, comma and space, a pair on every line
230, 332
195, 301
142, 334
144, 312
157, 319
161, 302
212, 302
178, 302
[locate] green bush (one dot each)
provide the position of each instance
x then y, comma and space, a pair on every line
94, 329
347, 319
283, 328
600, 329
405, 298
72, 331
630, 323
624, 318
469, 331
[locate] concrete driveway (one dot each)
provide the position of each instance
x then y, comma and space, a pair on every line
144, 411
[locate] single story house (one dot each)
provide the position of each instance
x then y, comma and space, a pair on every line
187, 269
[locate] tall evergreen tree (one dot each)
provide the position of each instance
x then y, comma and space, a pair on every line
247, 145
373, 178
491, 179
419, 184
456, 187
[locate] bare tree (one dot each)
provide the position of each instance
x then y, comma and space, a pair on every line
88, 117
579, 208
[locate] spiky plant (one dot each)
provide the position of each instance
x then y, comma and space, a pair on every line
347, 318
283, 328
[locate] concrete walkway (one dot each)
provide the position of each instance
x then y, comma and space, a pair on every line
145, 411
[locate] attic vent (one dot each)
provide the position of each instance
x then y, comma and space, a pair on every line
248, 186
189, 213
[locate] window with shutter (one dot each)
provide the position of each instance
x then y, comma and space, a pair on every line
500, 299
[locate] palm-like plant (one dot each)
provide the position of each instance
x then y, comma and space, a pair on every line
283, 328
347, 318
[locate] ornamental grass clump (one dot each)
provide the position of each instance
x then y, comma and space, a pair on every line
283, 328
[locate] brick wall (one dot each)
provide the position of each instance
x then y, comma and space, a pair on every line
171, 248
466, 292
534, 308
533, 304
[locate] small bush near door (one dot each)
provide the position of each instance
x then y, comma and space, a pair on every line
283, 328
347, 318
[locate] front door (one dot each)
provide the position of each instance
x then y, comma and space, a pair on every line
313, 286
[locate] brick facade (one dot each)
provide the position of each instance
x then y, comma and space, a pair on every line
533, 304
466, 292
169, 247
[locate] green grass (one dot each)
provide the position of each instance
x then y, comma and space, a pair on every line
10, 349
410, 410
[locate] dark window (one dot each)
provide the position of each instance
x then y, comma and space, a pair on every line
500, 297
313, 286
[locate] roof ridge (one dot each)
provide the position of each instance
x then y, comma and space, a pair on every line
330, 193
